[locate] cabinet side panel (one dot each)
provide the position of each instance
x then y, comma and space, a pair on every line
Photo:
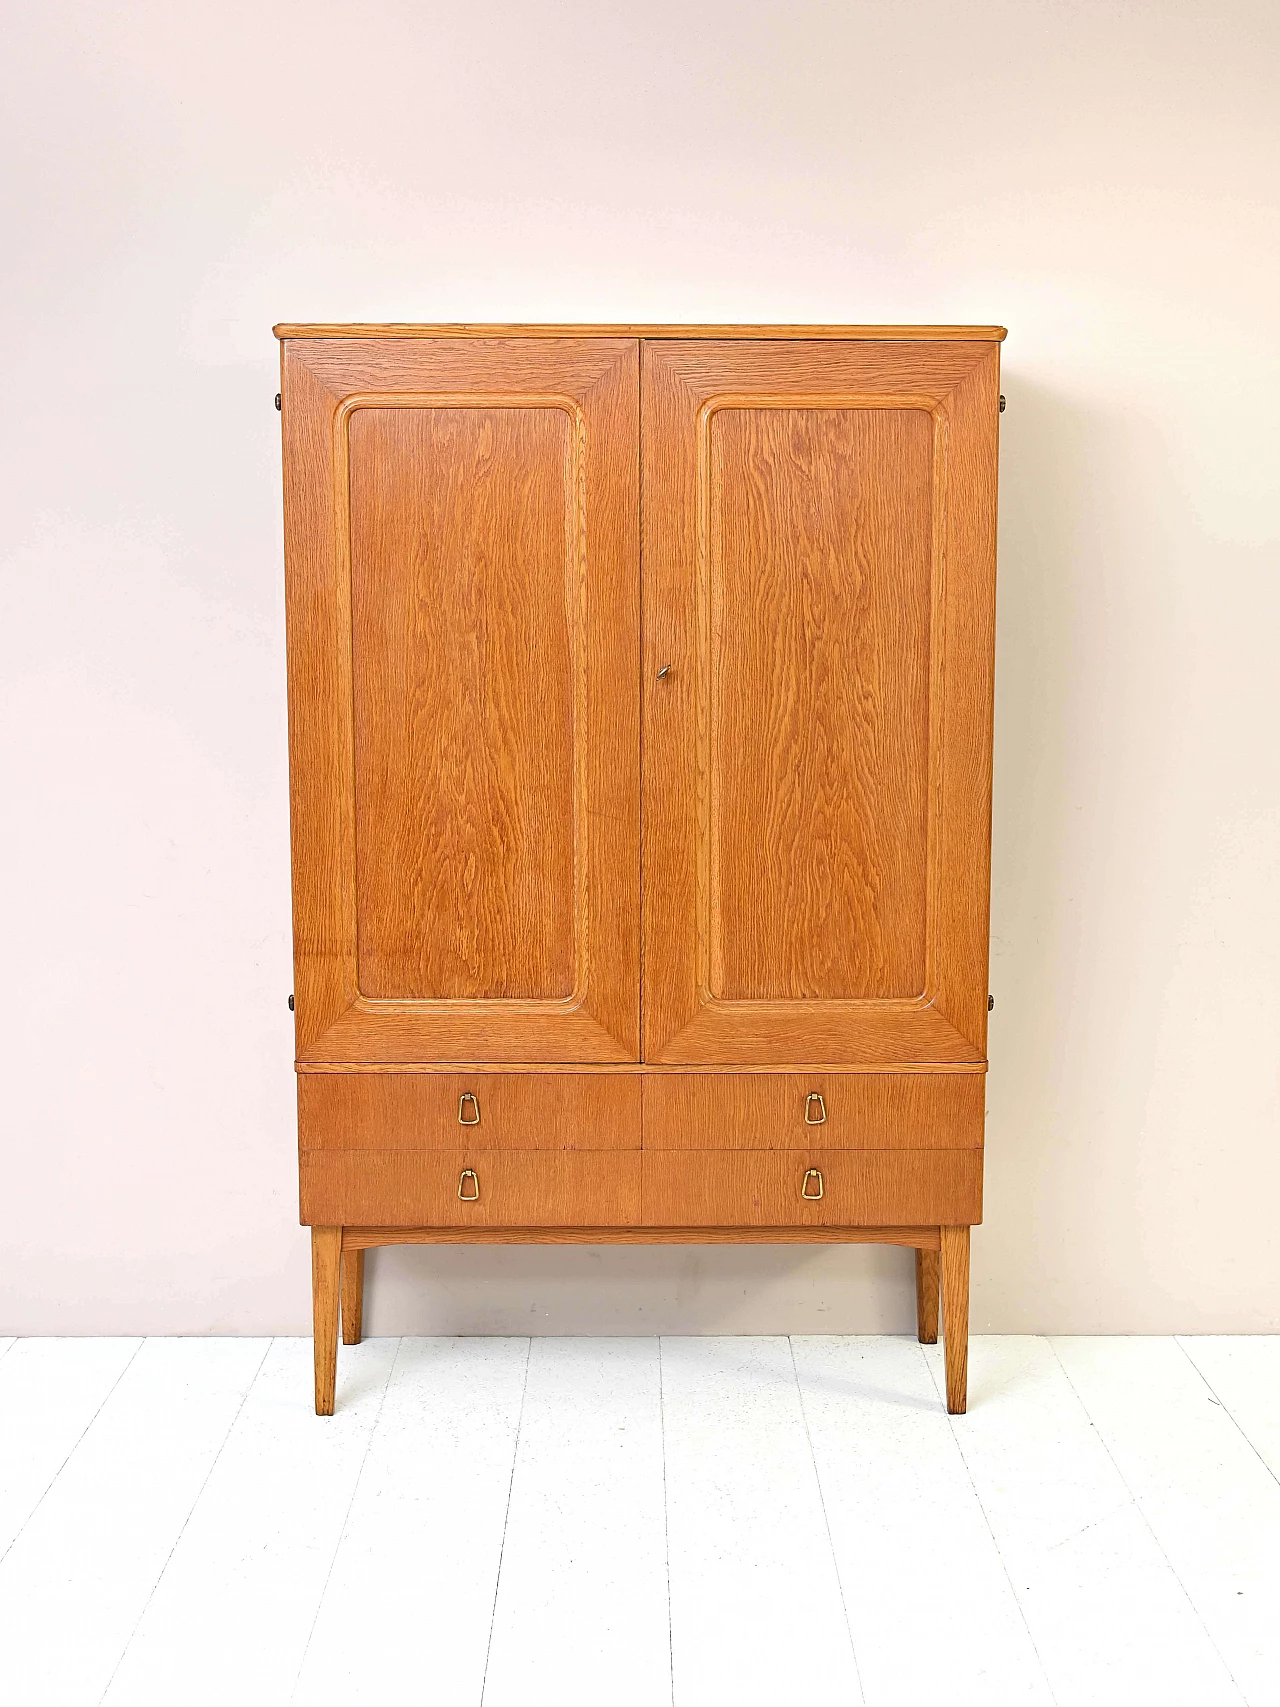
317, 626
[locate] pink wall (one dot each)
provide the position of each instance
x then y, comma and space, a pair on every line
1099, 177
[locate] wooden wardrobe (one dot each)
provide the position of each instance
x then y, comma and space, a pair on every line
640, 688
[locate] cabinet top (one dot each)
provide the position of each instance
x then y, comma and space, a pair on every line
467, 329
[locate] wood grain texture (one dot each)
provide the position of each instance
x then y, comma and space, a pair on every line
367, 1238
927, 1297
468, 626
762, 1188
636, 1069
326, 1260
954, 1261
766, 1111
352, 1296
465, 329
819, 570
517, 1111
517, 1188
329, 387
688, 768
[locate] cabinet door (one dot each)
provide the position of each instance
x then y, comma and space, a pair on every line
463, 581
819, 569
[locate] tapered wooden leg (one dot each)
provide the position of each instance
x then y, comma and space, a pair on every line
352, 1296
927, 1297
326, 1264
955, 1315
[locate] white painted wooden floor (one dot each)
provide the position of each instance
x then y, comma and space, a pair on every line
697, 1521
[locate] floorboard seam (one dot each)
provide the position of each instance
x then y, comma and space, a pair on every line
826, 1521
1004, 1564
244, 1398
1243, 1432
666, 1524
346, 1519
1137, 1506
506, 1518
70, 1455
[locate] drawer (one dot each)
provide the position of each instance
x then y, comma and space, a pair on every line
513, 1188
767, 1188
791, 1111
446, 1111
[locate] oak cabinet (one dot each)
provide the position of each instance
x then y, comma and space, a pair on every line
640, 705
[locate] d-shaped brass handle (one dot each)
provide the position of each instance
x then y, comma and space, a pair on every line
469, 1186
815, 1110
812, 1177
468, 1109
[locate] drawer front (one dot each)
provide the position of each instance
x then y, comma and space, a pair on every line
470, 1188
812, 1188
794, 1111
448, 1111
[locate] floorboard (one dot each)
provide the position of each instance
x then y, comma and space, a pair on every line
1108, 1616
232, 1612
1212, 1504
1243, 1373
410, 1593
909, 1532
50, 1391
756, 1609
583, 1593
100, 1538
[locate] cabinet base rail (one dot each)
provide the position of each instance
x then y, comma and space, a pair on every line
337, 1276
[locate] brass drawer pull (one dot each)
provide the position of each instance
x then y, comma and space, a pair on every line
468, 1116
470, 1175
812, 1176
815, 1110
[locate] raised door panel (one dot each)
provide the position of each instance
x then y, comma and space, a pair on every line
819, 545
463, 599
818, 685
466, 613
